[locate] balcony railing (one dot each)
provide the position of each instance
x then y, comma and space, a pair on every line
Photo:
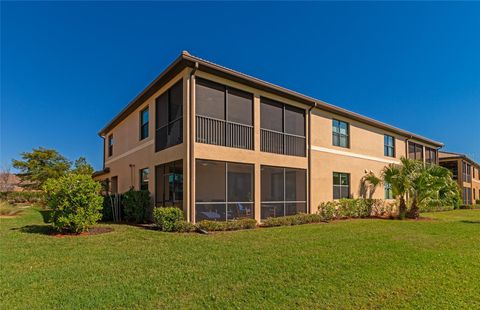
282, 143
224, 133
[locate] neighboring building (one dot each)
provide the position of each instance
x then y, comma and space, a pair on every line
466, 172
221, 145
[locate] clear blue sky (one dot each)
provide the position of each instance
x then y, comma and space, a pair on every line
68, 68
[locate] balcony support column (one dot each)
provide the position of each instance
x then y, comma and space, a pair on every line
256, 147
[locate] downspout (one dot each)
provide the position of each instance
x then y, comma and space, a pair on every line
103, 158
406, 146
191, 142
310, 156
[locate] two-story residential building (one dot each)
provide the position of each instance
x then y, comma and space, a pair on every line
223, 145
466, 172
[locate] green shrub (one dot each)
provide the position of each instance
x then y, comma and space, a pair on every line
348, 208
475, 206
75, 202
327, 210
136, 206
435, 208
184, 226
227, 225
290, 220
166, 218
23, 197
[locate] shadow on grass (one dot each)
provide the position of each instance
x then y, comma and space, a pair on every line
470, 222
46, 215
36, 229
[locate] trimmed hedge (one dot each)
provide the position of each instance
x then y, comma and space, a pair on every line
23, 197
476, 206
434, 208
227, 225
348, 208
168, 218
184, 227
291, 220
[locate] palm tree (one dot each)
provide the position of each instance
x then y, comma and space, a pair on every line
417, 185
398, 178
432, 185
370, 181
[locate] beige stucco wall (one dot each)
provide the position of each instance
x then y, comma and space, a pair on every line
130, 150
255, 156
365, 153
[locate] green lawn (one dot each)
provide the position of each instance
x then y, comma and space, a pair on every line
344, 264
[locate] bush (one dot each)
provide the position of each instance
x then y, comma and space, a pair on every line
227, 225
23, 197
435, 208
349, 208
75, 202
290, 220
136, 206
327, 210
184, 226
167, 218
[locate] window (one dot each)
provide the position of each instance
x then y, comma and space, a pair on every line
415, 151
224, 115
223, 190
169, 118
110, 145
169, 184
283, 191
389, 146
467, 196
467, 176
341, 185
282, 128
430, 155
388, 190
114, 185
452, 166
340, 133
144, 124
144, 179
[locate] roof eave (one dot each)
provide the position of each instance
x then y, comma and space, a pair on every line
187, 60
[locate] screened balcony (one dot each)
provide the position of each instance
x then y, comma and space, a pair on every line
282, 128
224, 191
220, 132
224, 115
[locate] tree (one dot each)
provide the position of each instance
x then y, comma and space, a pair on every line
432, 185
38, 166
5, 179
369, 183
81, 166
418, 185
397, 177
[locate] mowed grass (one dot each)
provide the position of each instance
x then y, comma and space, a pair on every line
344, 264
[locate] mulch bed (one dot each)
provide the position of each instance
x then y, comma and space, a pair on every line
91, 231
